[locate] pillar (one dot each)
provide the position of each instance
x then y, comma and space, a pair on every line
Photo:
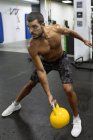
82, 20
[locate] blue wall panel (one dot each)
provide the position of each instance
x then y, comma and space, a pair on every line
1, 30
27, 33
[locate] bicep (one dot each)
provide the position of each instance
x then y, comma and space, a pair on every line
36, 59
34, 53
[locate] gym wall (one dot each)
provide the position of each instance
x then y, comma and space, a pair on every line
14, 25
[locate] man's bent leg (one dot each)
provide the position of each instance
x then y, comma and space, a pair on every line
77, 128
25, 90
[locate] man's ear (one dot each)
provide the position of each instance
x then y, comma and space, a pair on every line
43, 24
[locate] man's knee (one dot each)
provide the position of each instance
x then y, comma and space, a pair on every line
68, 88
30, 84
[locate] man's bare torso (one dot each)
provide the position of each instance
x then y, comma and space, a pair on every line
49, 45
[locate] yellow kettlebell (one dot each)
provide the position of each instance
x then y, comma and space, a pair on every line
59, 117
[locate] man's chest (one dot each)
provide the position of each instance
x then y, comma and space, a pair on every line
51, 41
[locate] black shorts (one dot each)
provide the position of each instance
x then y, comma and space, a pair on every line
62, 65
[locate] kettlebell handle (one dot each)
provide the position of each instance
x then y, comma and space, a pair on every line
53, 104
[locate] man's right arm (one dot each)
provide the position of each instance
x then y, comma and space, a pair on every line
41, 72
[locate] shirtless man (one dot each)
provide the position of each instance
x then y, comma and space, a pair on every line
47, 54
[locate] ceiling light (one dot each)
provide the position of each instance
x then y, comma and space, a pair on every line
33, 1
67, 1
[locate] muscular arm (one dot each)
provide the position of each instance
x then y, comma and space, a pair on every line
64, 31
40, 71
72, 33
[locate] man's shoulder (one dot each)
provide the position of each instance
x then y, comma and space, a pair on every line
33, 48
33, 42
58, 26
55, 27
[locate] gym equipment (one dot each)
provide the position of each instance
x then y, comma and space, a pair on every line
86, 65
59, 117
1, 29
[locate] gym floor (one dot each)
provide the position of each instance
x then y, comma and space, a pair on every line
32, 121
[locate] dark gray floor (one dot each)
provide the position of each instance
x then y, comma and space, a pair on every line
32, 121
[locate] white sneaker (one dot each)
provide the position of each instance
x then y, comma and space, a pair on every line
11, 109
77, 128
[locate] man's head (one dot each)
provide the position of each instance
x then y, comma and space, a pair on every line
35, 23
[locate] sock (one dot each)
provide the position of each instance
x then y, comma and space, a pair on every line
77, 116
16, 103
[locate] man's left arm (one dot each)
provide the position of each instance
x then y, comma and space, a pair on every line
78, 36
65, 31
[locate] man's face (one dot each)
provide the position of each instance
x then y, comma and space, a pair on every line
35, 28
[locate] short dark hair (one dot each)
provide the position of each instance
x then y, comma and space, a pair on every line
35, 15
